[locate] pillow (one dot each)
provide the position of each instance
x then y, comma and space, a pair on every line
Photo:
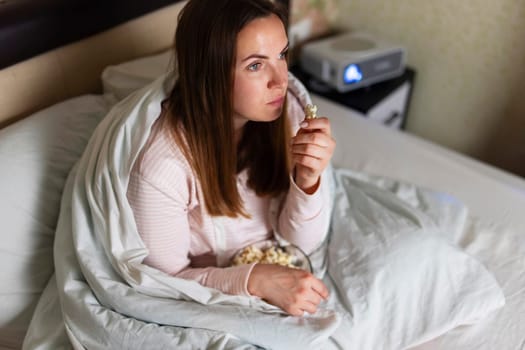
36, 154
395, 268
122, 79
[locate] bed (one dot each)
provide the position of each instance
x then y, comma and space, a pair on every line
56, 90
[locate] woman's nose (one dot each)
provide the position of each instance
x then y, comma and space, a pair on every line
279, 77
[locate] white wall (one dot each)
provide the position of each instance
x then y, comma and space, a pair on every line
470, 61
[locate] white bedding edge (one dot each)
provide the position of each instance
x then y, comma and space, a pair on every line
365, 146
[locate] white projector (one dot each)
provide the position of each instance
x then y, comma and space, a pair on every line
352, 60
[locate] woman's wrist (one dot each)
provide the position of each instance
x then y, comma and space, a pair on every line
253, 279
308, 186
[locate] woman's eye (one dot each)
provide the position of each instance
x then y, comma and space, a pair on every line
254, 67
283, 55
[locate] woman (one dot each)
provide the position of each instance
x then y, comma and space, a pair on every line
223, 150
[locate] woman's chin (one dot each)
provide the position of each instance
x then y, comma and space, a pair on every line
276, 114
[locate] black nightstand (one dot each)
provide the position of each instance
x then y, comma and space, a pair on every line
386, 102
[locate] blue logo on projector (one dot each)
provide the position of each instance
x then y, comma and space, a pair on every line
352, 74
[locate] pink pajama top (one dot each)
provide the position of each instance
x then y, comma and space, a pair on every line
184, 241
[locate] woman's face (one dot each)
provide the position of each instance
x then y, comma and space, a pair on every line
261, 71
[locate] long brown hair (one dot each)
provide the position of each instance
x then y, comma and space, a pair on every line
201, 107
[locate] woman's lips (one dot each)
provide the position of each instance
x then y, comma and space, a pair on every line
278, 102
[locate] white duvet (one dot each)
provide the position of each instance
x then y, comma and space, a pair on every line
396, 281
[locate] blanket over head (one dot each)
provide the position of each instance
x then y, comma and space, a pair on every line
110, 300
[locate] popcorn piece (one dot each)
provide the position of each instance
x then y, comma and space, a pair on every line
310, 111
272, 255
248, 255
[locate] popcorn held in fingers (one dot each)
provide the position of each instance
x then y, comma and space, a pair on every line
310, 111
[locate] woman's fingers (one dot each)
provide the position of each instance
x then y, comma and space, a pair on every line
320, 123
310, 159
314, 140
310, 307
321, 289
317, 294
311, 151
295, 291
314, 137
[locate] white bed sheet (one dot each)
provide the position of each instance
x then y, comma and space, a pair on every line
496, 202
372, 148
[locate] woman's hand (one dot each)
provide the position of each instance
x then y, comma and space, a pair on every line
312, 149
293, 290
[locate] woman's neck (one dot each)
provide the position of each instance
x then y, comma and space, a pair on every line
238, 136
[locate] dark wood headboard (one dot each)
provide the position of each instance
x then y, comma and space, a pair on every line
29, 28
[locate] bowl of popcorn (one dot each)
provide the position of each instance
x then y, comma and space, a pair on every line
269, 252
